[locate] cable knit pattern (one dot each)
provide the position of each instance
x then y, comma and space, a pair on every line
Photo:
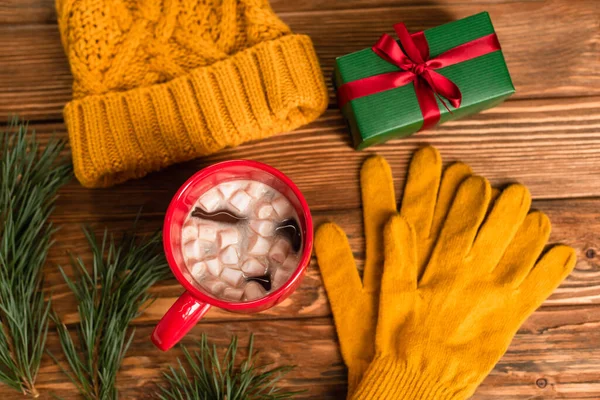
160, 82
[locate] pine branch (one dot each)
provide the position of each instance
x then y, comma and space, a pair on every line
211, 379
29, 180
109, 294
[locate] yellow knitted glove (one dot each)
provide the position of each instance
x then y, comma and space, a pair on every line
440, 334
354, 303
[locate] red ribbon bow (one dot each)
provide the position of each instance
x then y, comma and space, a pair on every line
416, 66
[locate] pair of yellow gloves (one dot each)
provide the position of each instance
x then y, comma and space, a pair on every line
447, 281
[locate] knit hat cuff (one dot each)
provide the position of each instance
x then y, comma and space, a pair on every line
272, 87
388, 379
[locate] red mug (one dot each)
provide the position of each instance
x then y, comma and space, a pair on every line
193, 304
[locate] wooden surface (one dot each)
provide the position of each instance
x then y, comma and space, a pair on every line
547, 136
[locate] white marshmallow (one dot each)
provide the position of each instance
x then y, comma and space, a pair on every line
263, 227
207, 232
280, 250
253, 291
290, 263
233, 294
189, 232
210, 200
229, 255
195, 249
213, 285
228, 237
240, 201
214, 266
256, 189
232, 276
199, 269
280, 277
264, 211
258, 245
229, 188
282, 207
253, 267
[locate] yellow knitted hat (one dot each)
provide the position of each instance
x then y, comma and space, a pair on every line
160, 82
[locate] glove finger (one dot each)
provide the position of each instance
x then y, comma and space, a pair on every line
495, 194
453, 176
354, 311
399, 278
421, 190
501, 225
337, 266
545, 277
379, 203
461, 225
524, 250
400, 270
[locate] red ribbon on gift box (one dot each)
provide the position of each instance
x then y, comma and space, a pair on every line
417, 67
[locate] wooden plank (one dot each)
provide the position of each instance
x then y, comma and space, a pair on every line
27, 11
43, 11
551, 146
559, 348
575, 223
556, 60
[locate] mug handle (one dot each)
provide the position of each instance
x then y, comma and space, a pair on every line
179, 319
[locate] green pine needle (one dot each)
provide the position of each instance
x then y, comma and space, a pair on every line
211, 379
29, 180
109, 294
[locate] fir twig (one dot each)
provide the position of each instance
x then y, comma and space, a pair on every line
211, 379
29, 180
109, 295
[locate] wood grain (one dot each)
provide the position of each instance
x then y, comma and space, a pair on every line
547, 137
551, 147
43, 11
311, 344
310, 300
549, 61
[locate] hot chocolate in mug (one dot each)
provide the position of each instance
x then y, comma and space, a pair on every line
193, 304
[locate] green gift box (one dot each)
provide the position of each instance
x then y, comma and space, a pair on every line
483, 81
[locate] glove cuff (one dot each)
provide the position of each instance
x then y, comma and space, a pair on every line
356, 372
387, 379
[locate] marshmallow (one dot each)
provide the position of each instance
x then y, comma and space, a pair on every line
232, 276
290, 263
264, 211
213, 285
280, 250
240, 201
255, 189
228, 237
229, 255
213, 266
207, 232
233, 294
253, 291
258, 245
282, 207
210, 200
189, 232
263, 227
280, 277
229, 188
253, 267
198, 269
195, 249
